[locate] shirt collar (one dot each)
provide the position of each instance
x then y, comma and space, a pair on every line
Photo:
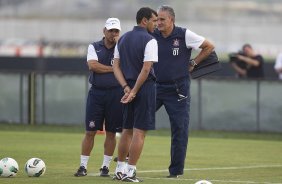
101, 42
139, 28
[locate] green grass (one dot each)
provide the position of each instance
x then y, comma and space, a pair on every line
221, 157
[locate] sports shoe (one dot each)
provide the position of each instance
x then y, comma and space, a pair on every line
118, 176
172, 176
81, 172
104, 172
133, 178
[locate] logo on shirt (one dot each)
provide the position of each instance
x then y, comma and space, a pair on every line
98, 50
175, 43
175, 49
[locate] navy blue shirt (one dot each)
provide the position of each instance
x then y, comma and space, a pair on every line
105, 57
131, 47
173, 55
256, 71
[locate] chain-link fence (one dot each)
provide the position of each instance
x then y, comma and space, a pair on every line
234, 105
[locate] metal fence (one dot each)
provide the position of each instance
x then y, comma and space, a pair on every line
217, 104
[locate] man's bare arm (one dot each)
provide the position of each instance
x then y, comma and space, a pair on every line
207, 47
97, 67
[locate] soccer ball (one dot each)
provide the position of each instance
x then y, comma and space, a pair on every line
35, 167
8, 167
203, 182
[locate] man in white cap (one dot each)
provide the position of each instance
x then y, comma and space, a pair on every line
103, 107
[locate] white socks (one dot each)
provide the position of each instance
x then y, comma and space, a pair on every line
107, 160
84, 160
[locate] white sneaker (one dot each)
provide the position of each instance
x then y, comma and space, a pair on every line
133, 178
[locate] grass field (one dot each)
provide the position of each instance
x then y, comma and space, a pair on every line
219, 157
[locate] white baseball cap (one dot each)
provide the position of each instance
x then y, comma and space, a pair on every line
112, 23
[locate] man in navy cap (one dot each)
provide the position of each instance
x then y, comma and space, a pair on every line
103, 107
135, 54
173, 81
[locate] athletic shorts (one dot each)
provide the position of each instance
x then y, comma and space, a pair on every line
103, 105
140, 113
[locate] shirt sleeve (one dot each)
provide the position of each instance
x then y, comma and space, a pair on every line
278, 63
116, 52
151, 51
193, 40
91, 54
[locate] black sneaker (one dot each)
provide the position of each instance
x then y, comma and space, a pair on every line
172, 176
81, 172
118, 176
104, 172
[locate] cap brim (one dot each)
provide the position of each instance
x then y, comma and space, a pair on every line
113, 27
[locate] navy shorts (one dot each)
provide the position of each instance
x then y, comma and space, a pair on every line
103, 105
140, 113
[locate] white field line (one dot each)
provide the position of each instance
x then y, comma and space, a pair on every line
216, 168
212, 180
206, 169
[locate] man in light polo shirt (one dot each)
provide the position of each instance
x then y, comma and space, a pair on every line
173, 81
135, 54
103, 101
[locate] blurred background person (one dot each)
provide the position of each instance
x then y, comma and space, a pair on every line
278, 65
247, 63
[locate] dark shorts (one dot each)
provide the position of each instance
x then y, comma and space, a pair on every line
140, 113
104, 105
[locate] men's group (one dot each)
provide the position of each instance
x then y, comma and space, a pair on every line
132, 76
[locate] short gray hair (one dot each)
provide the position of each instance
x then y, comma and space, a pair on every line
168, 9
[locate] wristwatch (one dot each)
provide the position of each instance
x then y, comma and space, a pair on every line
193, 63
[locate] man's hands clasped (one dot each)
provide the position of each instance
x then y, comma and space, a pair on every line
128, 96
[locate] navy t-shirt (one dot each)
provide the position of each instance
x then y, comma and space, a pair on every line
131, 47
105, 57
173, 55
